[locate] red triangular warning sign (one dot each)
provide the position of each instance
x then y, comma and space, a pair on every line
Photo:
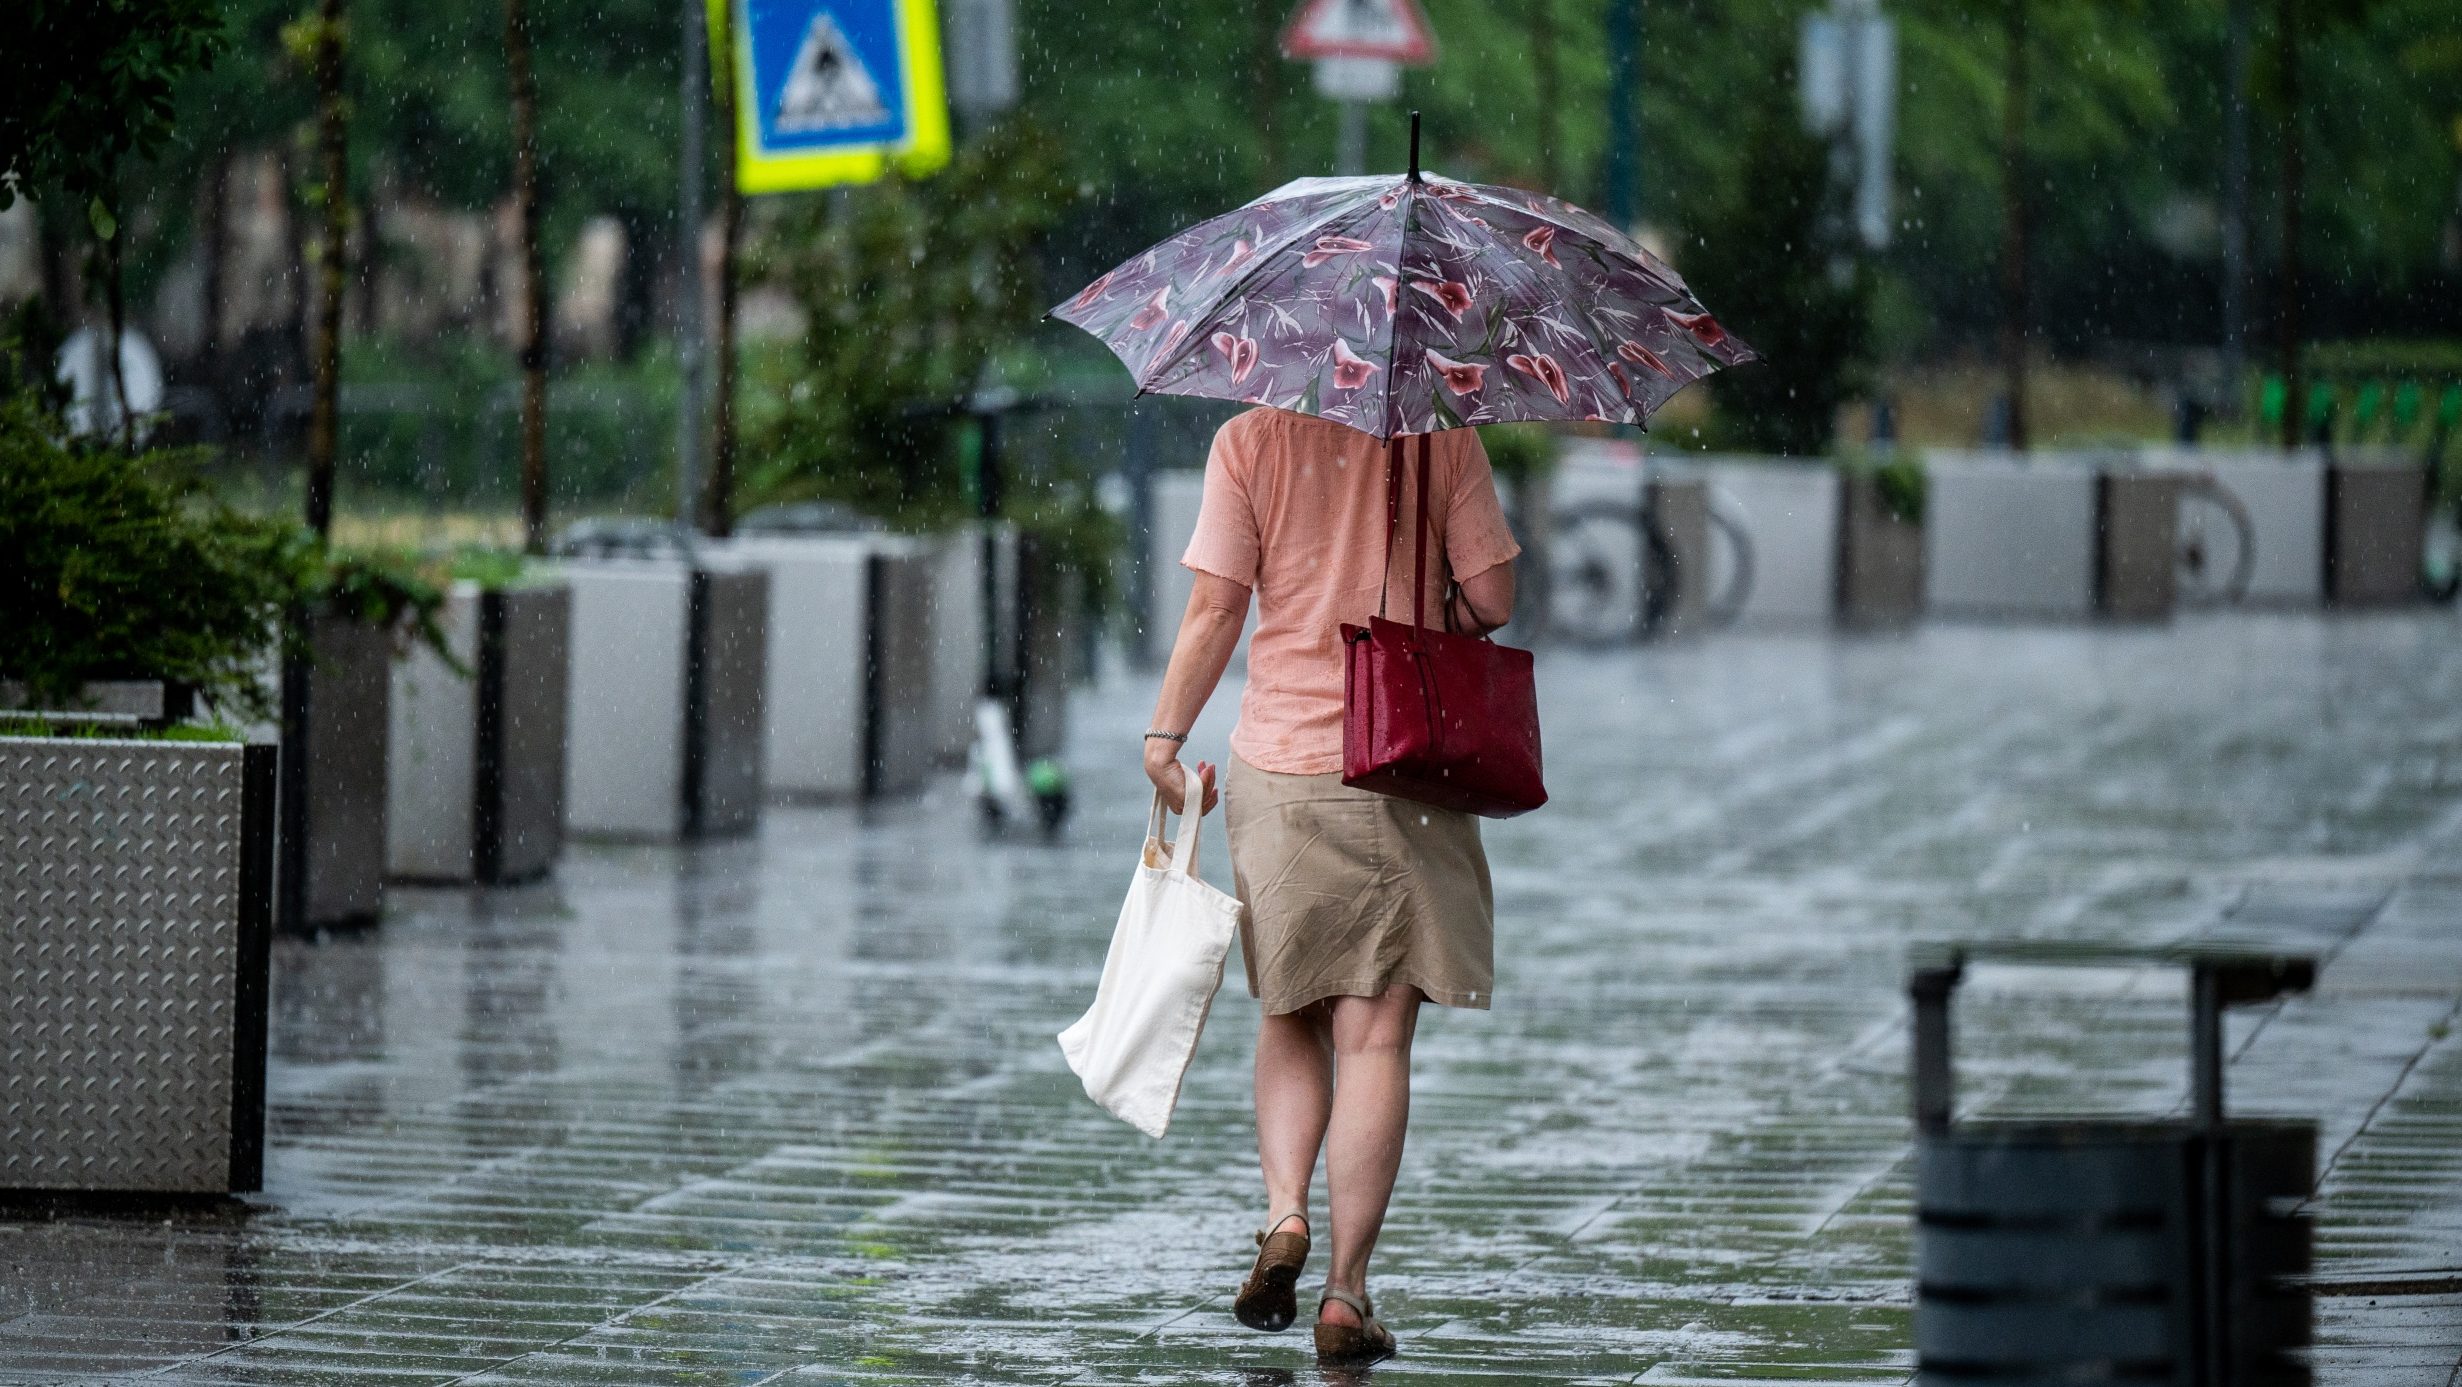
1393, 30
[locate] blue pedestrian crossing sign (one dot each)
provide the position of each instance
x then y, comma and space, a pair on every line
832, 91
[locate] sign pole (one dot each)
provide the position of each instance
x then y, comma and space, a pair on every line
690, 326
1360, 48
1351, 140
1623, 113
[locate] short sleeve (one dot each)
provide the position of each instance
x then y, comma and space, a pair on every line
1476, 535
1226, 543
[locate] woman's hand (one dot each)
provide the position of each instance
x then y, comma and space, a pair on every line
1163, 768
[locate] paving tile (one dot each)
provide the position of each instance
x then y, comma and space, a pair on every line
788, 1110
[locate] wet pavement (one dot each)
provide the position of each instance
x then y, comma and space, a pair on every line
790, 1111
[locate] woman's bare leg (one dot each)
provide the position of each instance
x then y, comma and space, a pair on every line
1295, 1096
1372, 1107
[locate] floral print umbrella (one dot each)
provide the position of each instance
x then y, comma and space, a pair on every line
1408, 305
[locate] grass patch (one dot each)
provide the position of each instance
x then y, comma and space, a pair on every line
119, 732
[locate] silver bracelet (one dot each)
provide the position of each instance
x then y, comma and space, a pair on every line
1180, 737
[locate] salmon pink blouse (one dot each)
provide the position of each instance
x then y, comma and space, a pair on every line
1294, 509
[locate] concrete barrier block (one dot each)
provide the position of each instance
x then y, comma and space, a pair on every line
2375, 532
2137, 533
1789, 514
2010, 539
625, 698
2284, 495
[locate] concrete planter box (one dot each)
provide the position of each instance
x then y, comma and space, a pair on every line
1680, 507
476, 769
1789, 514
849, 664
2137, 543
340, 858
133, 965
957, 566
2285, 499
2010, 539
1034, 616
2375, 530
664, 699
1880, 581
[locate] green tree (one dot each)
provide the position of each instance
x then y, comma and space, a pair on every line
115, 567
1771, 257
85, 87
909, 288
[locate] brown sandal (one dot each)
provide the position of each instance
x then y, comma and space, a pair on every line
1266, 1300
1352, 1345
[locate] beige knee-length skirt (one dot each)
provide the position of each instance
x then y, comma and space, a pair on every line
1349, 892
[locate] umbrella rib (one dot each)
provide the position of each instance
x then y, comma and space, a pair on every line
1389, 418
1640, 253
1328, 225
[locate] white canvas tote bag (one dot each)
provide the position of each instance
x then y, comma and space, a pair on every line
1133, 1045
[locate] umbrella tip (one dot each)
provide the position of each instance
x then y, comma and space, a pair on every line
1414, 146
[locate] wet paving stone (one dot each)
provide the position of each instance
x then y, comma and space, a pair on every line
789, 1110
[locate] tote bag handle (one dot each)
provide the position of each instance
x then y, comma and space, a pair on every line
1184, 843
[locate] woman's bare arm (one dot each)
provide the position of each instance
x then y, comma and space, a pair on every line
1209, 631
1485, 600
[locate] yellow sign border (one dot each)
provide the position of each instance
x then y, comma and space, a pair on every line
924, 150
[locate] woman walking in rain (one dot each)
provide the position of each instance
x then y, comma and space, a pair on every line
1360, 907
1363, 312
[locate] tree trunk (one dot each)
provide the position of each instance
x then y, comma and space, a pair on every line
1265, 75
1546, 69
718, 500
532, 326
2013, 290
332, 140
214, 246
115, 299
2287, 323
2235, 210
690, 327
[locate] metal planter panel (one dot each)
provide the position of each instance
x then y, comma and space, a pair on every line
2375, 529
724, 677
133, 959
1680, 506
527, 664
899, 744
1789, 512
1880, 560
477, 762
432, 759
2010, 539
2285, 498
815, 694
624, 698
957, 641
350, 694
2137, 534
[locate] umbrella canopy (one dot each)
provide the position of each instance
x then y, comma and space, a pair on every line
1408, 305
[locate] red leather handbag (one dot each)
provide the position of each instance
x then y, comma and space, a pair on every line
1436, 716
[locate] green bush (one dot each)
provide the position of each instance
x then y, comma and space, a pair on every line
121, 567
1898, 478
1771, 257
441, 421
909, 290
386, 589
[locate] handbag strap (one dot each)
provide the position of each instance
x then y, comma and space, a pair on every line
1192, 812
1421, 529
